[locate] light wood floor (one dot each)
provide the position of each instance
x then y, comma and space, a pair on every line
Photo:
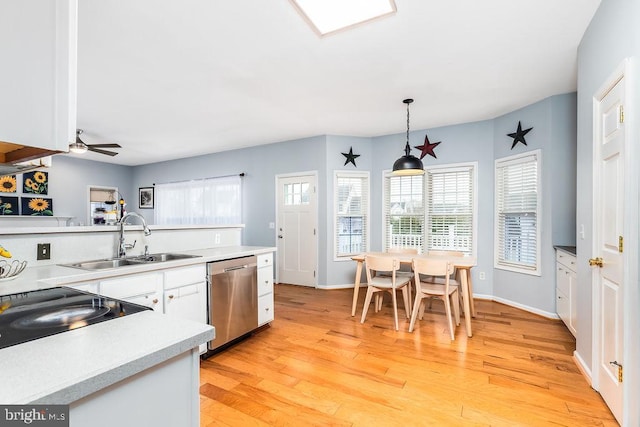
317, 365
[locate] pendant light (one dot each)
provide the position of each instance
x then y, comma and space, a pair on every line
408, 164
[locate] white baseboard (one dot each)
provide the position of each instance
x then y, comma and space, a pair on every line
533, 310
582, 366
347, 286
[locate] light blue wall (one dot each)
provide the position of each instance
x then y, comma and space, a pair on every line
554, 134
341, 272
482, 142
612, 36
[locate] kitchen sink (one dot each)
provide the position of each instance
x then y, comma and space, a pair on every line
162, 257
104, 264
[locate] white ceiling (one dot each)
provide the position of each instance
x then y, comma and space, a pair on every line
169, 79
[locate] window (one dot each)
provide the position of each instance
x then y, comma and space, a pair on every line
517, 226
351, 195
451, 213
199, 201
403, 214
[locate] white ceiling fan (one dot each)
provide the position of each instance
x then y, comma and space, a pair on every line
81, 147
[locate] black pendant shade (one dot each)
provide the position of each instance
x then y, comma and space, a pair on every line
408, 164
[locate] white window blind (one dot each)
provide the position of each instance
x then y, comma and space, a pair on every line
199, 201
517, 213
404, 213
351, 195
451, 208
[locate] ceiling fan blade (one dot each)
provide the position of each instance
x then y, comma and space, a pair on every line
97, 150
105, 145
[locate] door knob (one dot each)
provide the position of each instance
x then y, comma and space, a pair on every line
596, 261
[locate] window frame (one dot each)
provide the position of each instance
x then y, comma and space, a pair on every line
366, 214
453, 167
387, 174
535, 155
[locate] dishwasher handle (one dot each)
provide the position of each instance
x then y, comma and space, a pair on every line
239, 267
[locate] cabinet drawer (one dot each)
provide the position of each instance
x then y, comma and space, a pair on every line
184, 276
265, 259
566, 259
265, 281
265, 309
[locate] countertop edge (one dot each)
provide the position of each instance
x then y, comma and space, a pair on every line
102, 380
568, 249
64, 368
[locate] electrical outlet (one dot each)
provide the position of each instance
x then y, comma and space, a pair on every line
44, 251
482, 277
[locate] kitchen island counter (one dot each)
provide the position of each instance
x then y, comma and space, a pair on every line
69, 366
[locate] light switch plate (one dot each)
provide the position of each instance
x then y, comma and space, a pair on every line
44, 251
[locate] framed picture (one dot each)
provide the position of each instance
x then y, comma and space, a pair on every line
145, 198
36, 206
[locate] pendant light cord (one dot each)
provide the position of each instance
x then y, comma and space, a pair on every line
407, 148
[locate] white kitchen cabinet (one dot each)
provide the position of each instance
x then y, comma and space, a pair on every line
144, 289
185, 294
265, 289
39, 56
566, 305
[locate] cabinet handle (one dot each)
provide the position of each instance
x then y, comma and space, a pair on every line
155, 300
170, 296
267, 309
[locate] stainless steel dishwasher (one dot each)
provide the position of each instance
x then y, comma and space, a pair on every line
233, 298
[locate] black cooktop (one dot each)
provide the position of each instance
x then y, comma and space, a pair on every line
31, 315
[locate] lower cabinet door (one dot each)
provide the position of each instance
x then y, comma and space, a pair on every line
265, 309
187, 302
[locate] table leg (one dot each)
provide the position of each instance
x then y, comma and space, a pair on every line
466, 300
356, 288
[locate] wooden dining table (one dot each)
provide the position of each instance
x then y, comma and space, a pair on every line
462, 264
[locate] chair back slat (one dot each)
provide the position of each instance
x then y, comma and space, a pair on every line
432, 267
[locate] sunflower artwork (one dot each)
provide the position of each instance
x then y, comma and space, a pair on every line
37, 206
8, 184
36, 182
8, 205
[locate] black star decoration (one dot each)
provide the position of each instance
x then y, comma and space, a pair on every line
351, 158
518, 136
427, 148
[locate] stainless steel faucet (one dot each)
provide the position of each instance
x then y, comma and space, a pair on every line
122, 247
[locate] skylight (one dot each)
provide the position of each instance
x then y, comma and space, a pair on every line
329, 16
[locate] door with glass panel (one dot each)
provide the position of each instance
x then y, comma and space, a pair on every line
297, 239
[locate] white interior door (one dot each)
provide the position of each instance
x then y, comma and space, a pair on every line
297, 239
609, 139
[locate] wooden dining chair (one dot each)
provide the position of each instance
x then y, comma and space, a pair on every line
448, 293
456, 275
399, 273
377, 283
